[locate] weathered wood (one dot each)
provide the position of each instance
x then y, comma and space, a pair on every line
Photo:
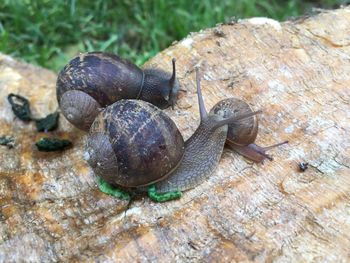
298, 72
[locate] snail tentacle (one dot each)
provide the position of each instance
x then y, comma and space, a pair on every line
160, 88
202, 110
233, 119
172, 83
255, 152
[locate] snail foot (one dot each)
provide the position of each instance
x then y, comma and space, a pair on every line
162, 197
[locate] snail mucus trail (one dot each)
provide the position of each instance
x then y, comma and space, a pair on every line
92, 81
200, 156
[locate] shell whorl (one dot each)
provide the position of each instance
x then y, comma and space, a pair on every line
243, 132
146, 143
105, 77
100, 156
79, 108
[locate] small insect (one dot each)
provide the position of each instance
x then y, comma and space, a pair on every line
303, 167
218, 32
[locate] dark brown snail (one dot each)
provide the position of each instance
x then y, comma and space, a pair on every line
132, 144
241, 135
94, 80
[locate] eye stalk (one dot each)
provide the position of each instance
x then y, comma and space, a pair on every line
203, 112
172, 83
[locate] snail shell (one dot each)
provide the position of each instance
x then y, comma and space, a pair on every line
133, 143
241, 135
94, 80
243, 132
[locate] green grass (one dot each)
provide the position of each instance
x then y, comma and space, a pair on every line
49, 33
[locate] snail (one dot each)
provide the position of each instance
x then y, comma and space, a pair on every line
241, 135
94, 80
133, 144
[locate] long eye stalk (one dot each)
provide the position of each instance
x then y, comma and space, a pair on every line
203, 112
172, 84
235, 119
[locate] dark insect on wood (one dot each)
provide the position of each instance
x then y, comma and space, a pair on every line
303, 167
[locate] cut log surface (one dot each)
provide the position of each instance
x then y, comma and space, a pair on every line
297, 72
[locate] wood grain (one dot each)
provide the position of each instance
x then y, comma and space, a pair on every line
297, 72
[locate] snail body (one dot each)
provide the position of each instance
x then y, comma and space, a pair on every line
195, 160
202, 155
92, 81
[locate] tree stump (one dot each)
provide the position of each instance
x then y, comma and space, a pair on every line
297, 72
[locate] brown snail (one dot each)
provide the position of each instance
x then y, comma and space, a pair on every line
94, 80
241, 135
133, 144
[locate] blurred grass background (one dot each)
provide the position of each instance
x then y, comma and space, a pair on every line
49, 33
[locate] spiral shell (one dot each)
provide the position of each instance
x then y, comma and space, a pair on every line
105, 77
243, 132
133, 143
